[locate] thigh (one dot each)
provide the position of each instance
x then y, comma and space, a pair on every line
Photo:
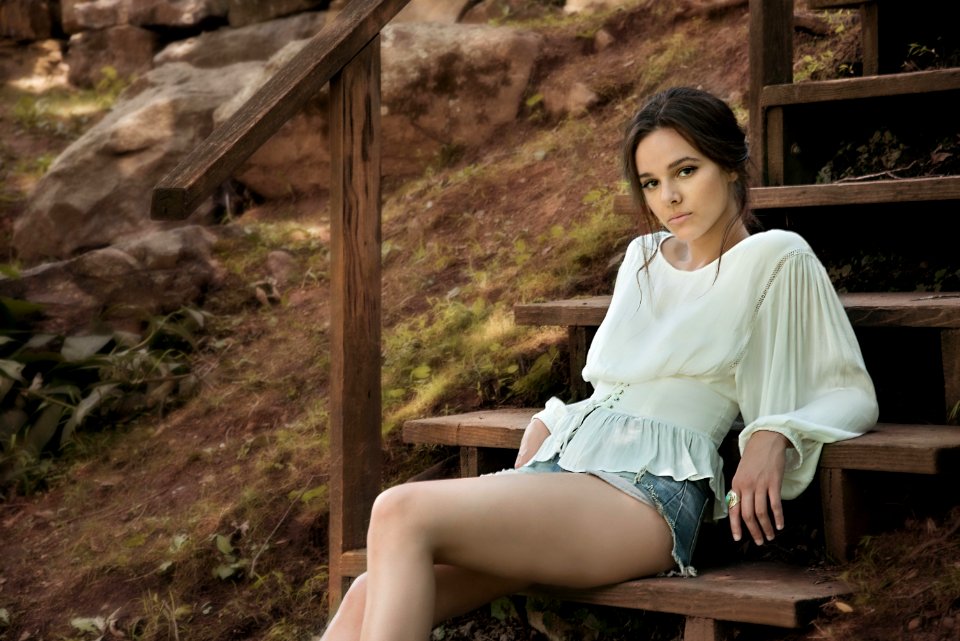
563, 529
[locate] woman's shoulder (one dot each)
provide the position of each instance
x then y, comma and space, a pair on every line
776, 243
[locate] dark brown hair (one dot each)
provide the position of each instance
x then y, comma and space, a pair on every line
709, 125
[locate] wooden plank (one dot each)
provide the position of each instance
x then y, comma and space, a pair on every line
469, 462
843, 522
886, 309
893, 84
856, 193
353, 563
903, 309
833, 194
490, 428
700, 629
761, 593
836, 4
355, 284
950, 356
213, 161
771, 62
587, 311
776, 148
870, 38
911, 449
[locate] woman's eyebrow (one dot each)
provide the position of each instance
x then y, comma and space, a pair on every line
678, 161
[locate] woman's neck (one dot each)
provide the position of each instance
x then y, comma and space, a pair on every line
700, 252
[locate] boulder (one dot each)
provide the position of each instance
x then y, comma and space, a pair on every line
100, 14
26, 19
256, 42
450, 85
443, 87
176, 13
127, 49
586, 6
154, 274
445, 11
246, 12
568, 100
68, 15
98, 190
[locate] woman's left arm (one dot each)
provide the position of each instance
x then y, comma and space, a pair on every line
801, 382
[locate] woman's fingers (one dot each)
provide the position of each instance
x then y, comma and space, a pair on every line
754, 510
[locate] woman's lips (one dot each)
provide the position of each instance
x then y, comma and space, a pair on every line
679, 218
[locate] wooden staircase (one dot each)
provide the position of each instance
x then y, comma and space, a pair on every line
789, 144
346, 54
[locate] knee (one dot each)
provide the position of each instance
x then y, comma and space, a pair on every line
394, 511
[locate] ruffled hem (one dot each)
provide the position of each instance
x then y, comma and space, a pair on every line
596, 438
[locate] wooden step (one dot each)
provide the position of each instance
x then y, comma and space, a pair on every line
758, 593
867, 192
892, 84
837, 4
912, 449
887, 309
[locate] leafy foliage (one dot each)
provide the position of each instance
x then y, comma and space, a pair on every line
51, 385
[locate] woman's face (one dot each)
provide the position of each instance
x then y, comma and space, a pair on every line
691, 195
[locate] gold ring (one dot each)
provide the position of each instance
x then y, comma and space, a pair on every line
732, 499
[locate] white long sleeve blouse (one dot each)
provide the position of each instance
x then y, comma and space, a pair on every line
680, 353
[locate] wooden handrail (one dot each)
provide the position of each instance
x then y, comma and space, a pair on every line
212, 162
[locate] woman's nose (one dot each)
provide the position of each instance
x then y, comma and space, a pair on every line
669, 194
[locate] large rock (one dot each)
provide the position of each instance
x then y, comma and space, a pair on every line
68, 15
255, 42
176, 13
25, 19
445, 11
443, 87
587, 6
154, 274
127, 49
98, 190
100, 14
246, 12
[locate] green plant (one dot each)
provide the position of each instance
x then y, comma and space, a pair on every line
51, 385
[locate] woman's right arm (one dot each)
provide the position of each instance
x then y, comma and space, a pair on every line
533, 437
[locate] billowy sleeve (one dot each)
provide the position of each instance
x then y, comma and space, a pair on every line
801, 373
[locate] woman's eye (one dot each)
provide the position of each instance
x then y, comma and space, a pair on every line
649, 184
686, 171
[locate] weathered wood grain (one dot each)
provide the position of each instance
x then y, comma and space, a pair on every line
355, 283
913, 449
893, 84
214, 160
833, 194
762, 593
771, 63
889, 309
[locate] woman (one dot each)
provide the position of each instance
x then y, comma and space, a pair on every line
705, 321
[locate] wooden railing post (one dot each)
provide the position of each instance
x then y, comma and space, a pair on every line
355, 411
771, 62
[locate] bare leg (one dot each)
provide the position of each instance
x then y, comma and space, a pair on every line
562, 529
458, 591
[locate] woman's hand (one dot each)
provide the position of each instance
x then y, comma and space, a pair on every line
535, 434
757, 482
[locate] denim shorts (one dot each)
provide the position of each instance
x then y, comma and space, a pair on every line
682, 504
